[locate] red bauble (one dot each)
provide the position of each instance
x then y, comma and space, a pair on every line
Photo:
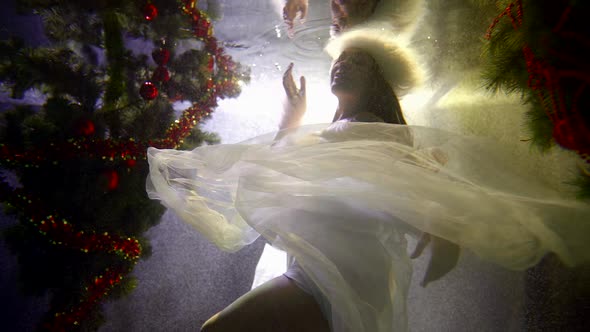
111, 179
150, 11
161, 74
161, 56
85, 127
148, 91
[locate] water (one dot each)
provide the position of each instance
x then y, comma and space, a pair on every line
187, 279
256, 35
474, 296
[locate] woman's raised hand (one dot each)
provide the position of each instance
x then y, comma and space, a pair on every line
290, 11
296, 103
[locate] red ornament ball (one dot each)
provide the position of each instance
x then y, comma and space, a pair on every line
148, 91
161, 74
111, 179
86, 127
161, 56
150, 11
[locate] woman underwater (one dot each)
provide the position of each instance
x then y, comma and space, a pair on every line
340, 199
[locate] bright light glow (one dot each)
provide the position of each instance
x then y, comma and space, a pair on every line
257, 111
415, 107
272, 264
259, 108
321, 103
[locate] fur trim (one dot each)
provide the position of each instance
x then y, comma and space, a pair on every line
397, 62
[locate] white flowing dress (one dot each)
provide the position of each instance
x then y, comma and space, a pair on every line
341, 199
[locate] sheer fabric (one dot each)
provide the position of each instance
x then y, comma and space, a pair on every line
341, 198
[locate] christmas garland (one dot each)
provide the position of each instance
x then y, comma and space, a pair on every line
539, 49
63, 233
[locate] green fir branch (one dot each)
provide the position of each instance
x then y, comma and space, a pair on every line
115, 52
582, 182
538, 123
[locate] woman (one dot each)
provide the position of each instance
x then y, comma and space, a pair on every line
364, 95
341, 200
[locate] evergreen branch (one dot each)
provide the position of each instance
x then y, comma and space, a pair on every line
538, 123
115, 51
582, 183
59, 70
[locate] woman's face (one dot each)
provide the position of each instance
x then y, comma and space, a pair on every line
352, 73
348, 13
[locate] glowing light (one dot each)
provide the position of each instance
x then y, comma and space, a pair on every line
321, 103
272, 263
415, 107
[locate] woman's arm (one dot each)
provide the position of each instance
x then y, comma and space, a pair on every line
296, 103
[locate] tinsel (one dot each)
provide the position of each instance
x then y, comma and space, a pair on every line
95, 291
62, 233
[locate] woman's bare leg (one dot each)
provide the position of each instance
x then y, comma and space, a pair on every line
278, 305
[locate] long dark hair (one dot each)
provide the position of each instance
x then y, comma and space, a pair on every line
382, 101
378, 101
